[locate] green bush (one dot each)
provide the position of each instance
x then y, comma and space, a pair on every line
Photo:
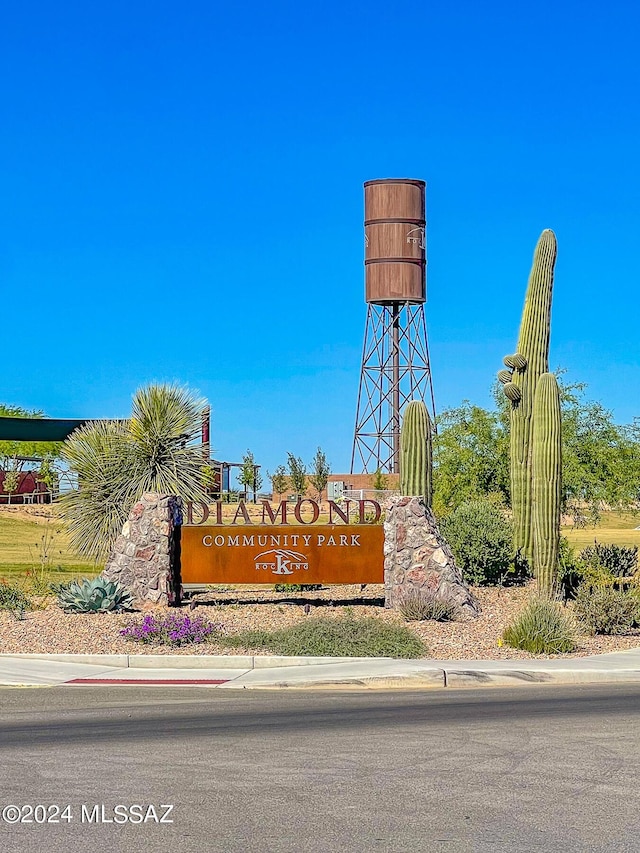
297, 587
605, 610
481, 539
342, 637
541, 628
599, 565
617, 559
609, 562
418, 605
12, 597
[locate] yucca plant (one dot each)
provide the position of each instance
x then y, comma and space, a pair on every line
93, 596
116, 462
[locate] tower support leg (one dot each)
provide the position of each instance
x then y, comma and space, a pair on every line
395, 369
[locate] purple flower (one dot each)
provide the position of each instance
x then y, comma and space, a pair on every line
174, 629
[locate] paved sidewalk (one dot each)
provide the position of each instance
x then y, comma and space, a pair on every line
247, 672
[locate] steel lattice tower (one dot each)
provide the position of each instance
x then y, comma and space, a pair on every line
395, 357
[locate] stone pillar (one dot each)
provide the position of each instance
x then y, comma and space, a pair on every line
145, 557
417, 557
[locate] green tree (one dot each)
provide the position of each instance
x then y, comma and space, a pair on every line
319, 475
297, 474
209, 479
116, 462
279, 480
380, 481
10, 450
11, 481
249, 475
47, 473
600, 459
470, 457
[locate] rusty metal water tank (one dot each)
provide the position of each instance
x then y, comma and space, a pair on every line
394, 228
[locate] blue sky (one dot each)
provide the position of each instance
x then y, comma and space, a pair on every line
181, 199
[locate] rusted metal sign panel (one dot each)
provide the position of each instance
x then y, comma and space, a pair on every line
249, 554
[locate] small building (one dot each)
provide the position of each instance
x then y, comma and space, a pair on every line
30, 489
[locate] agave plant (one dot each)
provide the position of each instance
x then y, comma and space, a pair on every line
93, 596
116, 462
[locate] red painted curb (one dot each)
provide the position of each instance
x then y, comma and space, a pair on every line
148, 681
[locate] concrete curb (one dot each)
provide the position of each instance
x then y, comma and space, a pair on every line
428, 679
190, 661
277, 672
441, 678
516, 678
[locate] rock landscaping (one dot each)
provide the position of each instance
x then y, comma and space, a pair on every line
50, 630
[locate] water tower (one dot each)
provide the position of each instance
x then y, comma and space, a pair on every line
395, 358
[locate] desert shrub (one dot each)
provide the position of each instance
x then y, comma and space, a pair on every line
419, 605
343, 637
610, 561
604, 610
13, 597
599, 565
37, 582
481, 539
173, 629
542, 627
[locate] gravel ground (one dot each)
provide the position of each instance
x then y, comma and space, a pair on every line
51, 630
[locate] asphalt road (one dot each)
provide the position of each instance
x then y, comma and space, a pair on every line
527, 769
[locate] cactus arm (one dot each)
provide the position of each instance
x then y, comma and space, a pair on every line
416, 453
546, 481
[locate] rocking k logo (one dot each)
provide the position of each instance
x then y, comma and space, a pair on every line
280, 562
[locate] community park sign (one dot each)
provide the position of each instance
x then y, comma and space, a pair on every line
286, 545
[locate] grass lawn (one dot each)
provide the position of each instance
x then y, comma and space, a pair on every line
615, 528
26, 544
579, 539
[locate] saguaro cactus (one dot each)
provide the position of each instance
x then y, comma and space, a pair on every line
547, 481
416, 453
524, 369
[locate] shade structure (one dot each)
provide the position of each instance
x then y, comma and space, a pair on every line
37, 429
